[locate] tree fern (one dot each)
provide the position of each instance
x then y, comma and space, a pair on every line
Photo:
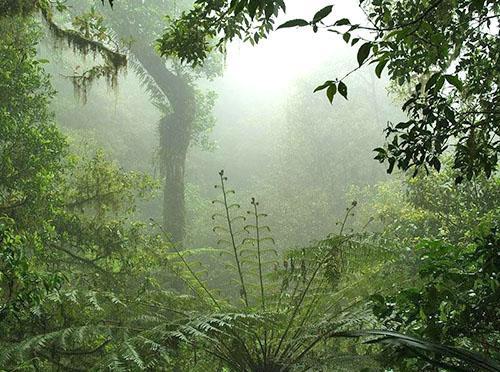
295, 310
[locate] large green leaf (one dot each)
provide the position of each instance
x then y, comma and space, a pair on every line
477, 361
363, 52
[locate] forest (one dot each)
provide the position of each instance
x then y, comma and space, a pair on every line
249, 185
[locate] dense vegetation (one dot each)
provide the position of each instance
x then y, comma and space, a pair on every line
317, 260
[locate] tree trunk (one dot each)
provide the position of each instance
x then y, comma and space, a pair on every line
175, 134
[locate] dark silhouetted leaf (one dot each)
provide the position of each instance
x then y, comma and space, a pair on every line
475, 360
432, 81
455, 81
330, 93
343, 89
380, 67
363, 52
342, 22
325, 12
294, 23
325, 85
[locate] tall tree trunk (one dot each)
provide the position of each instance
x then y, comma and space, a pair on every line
175, 137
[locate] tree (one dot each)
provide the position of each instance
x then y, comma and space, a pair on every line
171, 87
74, 265
444, 53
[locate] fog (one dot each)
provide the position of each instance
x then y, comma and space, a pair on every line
185, 186
274, 137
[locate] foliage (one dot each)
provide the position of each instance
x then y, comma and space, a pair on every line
454, 300
85, 285
408, 210
194, 35
78, 276
286, 312
30, 145
472, 360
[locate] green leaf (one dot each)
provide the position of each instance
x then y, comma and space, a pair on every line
325, 12
294, 23
380, 67
476, 361
343, 89
252, 8
432, 81
363, 52
392, 162
330, 93
439, 83
346, 37
455, 81
342, 22
325, 85
436, 164
450, 115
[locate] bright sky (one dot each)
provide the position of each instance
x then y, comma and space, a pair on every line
289, 53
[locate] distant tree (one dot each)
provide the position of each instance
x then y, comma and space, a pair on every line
172, 88
186, 110
445, 53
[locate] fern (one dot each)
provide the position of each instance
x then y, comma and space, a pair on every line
295, 310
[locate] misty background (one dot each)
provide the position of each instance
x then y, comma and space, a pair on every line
300, 156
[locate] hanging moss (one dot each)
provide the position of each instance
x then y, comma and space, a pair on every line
114, 61
83, 82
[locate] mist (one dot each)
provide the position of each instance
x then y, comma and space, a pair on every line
252, 186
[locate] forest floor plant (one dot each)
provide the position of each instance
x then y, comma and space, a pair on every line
284, 312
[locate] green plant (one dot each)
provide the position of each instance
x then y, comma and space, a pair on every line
454, 299
422, 349
287, 311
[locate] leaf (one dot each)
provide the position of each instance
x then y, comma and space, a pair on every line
346, 37
436, 164
252, 8
439, 83
330, 93
363, 52
473, 359
325, 12
342, 22
294, 23
455, 81
449, 114
432, 81
342, 89
380, 67
325, 85
392, 162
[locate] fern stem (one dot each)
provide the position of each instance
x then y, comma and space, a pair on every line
233, 243
205, 289
261, 279
291, 347
297, 307
348, 212
302, 298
